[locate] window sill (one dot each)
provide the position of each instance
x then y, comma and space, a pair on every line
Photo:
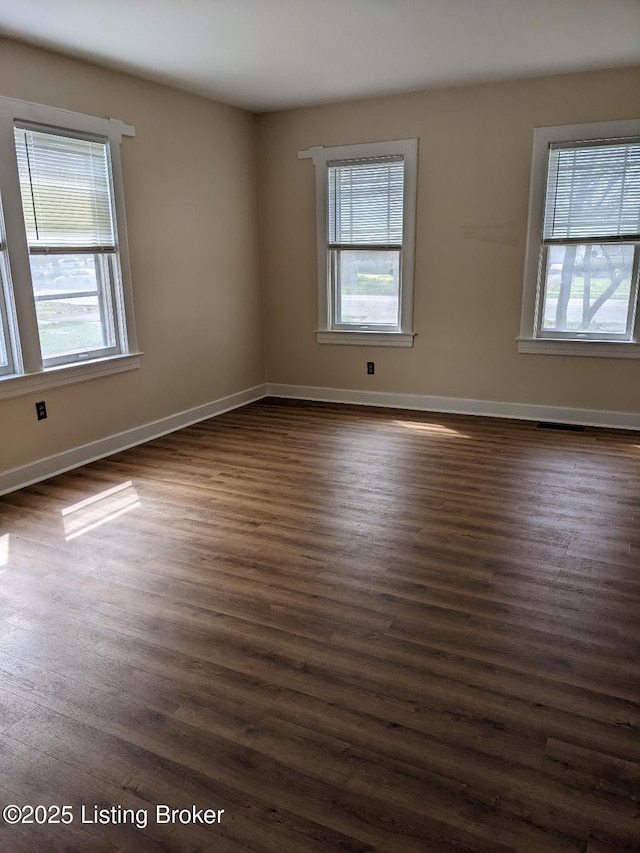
69, 374
366, 339
593, 349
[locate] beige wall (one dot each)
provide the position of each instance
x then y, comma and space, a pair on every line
190, 192
474, 164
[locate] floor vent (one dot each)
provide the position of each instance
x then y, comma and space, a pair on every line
565, 427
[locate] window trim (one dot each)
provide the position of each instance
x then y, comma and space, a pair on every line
29, 374
529, 340
328, 332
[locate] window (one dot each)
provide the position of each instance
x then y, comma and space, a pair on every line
366, 199
583, 252
66, 309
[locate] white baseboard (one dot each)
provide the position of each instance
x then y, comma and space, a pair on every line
34, 472
460, 406
25, 475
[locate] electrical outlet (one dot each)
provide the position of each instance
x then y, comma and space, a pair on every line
371, 368
41, 410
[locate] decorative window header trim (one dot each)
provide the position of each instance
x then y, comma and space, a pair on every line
321, 154
23, 111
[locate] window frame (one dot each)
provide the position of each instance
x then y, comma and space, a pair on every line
532, 338
29, 374
330, 331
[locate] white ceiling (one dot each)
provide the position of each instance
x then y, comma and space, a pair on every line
273, 54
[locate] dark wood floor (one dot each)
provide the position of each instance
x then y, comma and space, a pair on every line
351, 629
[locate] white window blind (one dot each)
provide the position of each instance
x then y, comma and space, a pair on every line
66, 193
593, 191
365, 202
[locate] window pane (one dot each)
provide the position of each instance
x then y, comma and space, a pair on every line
73, 303
4, 355
593, 190
367, 287
66, 190
587, 288
4, 350
365, 201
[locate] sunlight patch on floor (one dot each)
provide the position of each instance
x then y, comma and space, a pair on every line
4, 550
86, 515
435, 429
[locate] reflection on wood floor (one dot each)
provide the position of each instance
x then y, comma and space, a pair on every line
352, 629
